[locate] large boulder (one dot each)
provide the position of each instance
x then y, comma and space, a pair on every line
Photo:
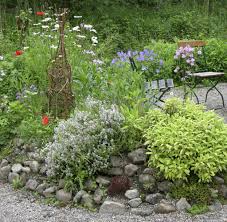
138, 156
13, 177
132, 194
135, 202
4, 172
154, 198
164, 208
131, 169
182, 205
31, 184
111, 207
4, 163
17, 168
63, 196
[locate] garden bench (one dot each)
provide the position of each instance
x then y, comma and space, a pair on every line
212, 77
156, 89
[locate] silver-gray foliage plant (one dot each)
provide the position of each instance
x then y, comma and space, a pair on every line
84, 143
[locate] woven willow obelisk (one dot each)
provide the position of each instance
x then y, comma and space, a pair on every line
60, 77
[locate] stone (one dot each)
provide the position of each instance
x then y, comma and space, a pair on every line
218, 180
63, 196
223, 191
138, 156
34, 156
117, 161
87, 201
26, 170
61, 184
90, 185
216, 206
148, 182
164, 208
98, 196
41, 188
146, 179
116, 171
165, 186
144, 212
31, 184
150, 171
13, 176
43, 170
4, 172
135, 202
182, 205
131, 169
154, 198
132, 194
103, 181
4, 163
78, 196
23, 178
34, 165
17, 168
111, 207
49, 192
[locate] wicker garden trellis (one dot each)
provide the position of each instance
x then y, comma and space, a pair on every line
60, 77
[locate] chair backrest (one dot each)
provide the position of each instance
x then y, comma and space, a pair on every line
194, 43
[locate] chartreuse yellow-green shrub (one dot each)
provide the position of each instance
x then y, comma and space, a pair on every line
183, 140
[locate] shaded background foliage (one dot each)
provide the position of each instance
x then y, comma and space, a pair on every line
125, 24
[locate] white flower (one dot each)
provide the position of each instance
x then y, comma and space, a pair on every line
88, 26
77, 16
46, 19
79, 46
93, 30
89, 52
53, 47
98, 62
37, 24
35, 33
76, 28
81, 36
45, 26
199, 52
94, 40
1, 58
56, 26
26, 47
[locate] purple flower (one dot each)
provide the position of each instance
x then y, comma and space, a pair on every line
161, 62
140, 58
114, 61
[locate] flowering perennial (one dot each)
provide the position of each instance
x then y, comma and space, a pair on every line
84, 142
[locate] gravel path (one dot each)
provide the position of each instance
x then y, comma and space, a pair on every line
18, 206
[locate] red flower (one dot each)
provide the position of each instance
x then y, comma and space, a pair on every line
45, 120
40, 13
18, 52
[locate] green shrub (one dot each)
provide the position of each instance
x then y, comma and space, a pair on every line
184, 139
83, 144
195, 193
198, 209
32, 130
11, 114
